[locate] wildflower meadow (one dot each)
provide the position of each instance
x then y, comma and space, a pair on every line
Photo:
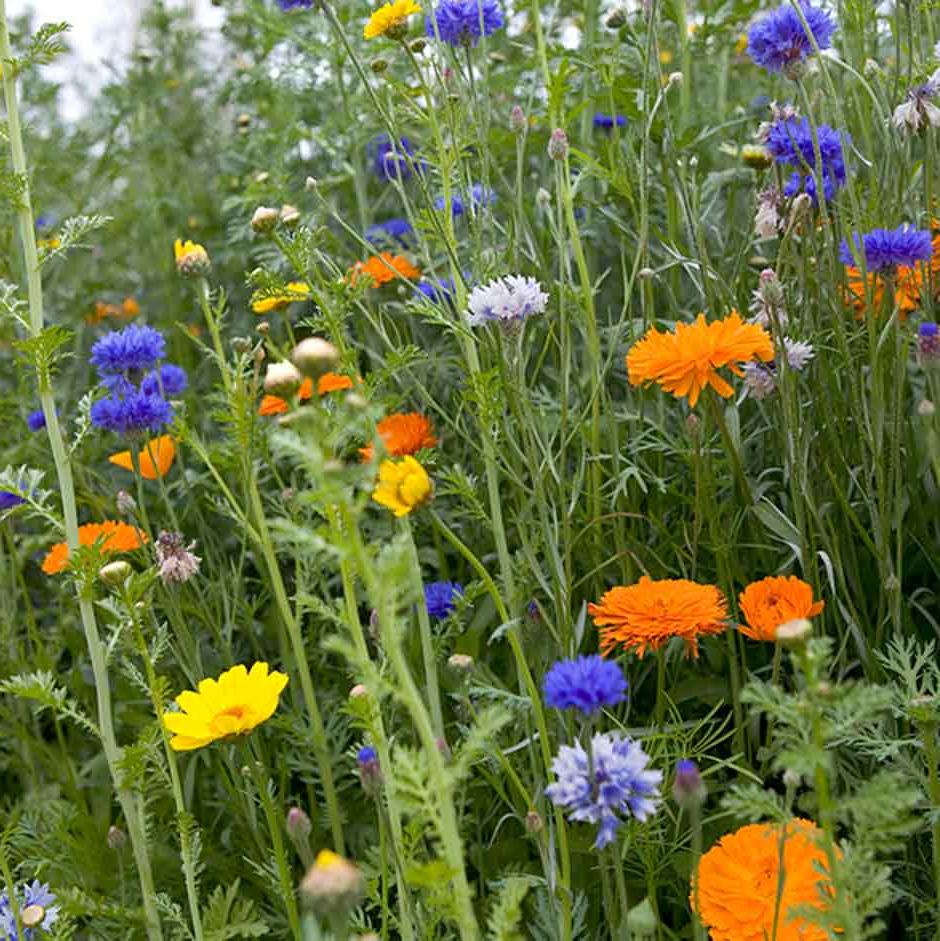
472, 471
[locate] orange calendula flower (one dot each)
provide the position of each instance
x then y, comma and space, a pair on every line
403, 486
294, 292
128, 309
328, 382
774, 601
234, 704
381, 269
403, 434
736, 887
390, 19
686, 362
646, 616
908, 284
114, 537
156, 458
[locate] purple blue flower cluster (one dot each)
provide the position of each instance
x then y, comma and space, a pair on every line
36, 421
607, 122
779, 40
790, 142
128, 364
438, 292
35, 896
396, 230
888, 248
440, 598
479, 195
9, 499
295, 4
463, 22
587, 684
392, 160
615, 783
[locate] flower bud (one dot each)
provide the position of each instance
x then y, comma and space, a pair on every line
379, 65
264, 219
298, 824
558, 145
800, 208
116, 838
688, 788
315, 356
115, 573
794, 633
533, 821
262, 177
418, 45
616, 18
192, 259
674, 81
646, 274
461, 662
332, 885
356, 402
543, 199
282, 379
243, 120
517, 120
756, 156
310, 184
926, 408
358, 691
290, 215
370, 771
126, 504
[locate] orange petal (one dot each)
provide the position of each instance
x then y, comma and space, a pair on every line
155, 459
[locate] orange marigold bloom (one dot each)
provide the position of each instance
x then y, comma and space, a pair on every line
735, 889
115, 537
381, 269
647, 615
328, 382
907, 290
686, 362
156, 458
403, 434
774, 601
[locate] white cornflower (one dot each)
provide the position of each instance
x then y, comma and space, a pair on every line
917, 109
798, 353
767, 304
767, 219
176, 561
510, 300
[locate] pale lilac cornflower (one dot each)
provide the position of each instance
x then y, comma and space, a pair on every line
798, 353
615, 784
176, 560
918, 109
760, 381
767, 304
508, 301
34, 901
768, 220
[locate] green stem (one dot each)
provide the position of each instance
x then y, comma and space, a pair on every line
928, 731
131, 806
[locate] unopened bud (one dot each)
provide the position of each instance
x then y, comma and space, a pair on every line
116, 838
756, 156
370, 771
461, 662
115, 573
356, 402
282, 379
332, 885
794, 633
443, 748
310, 184
533, 821
262, 176
871, 69
688, 788
243, 120
646, 274
126, 504
298, 824
241, 345
616, 18
675, 80
379, 65
558, 145
264, 219
418, 45
315, 356
926, 408
543, 199
801, 207
290, 215
358, 691
517, 120
264, 328
791, 779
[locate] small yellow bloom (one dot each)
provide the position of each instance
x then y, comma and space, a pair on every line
740, 47
295, 291
50, 244
390, 19
192, 260
234, 704
665, 57
403, 486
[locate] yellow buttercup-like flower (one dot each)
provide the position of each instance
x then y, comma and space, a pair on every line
403, 486
234, 704
192, 260
390, 19
295, 291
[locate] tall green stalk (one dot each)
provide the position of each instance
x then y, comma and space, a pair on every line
131, 805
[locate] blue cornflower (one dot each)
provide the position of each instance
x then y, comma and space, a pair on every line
295, 4
463, 22
134, 412
479, 195
438, 292
133, 348
606, 122
688, 788
613, 785
9, 499
888, 248
167, 380
779, 40
586, 684
370, 771
790, 142
36, 421
440, 598
366, 755
928, 341
397, 229
391, 160
35, 894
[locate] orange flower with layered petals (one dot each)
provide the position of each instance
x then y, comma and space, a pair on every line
403, 434
646, 616
328, 382
686, 362
128, 309
156, 458
735, 889
115, 537
908, 285
381, 269
774, 601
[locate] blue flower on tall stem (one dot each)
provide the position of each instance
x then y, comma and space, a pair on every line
398, 230
36, 420
441, 598
779, 41
607, 122
885, 249
295, 4
587, 684
463, 22
790, 142
392, 160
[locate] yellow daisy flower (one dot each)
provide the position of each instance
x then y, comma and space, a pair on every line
390, 19
403, 486
192, 260
234, 704
295, 291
